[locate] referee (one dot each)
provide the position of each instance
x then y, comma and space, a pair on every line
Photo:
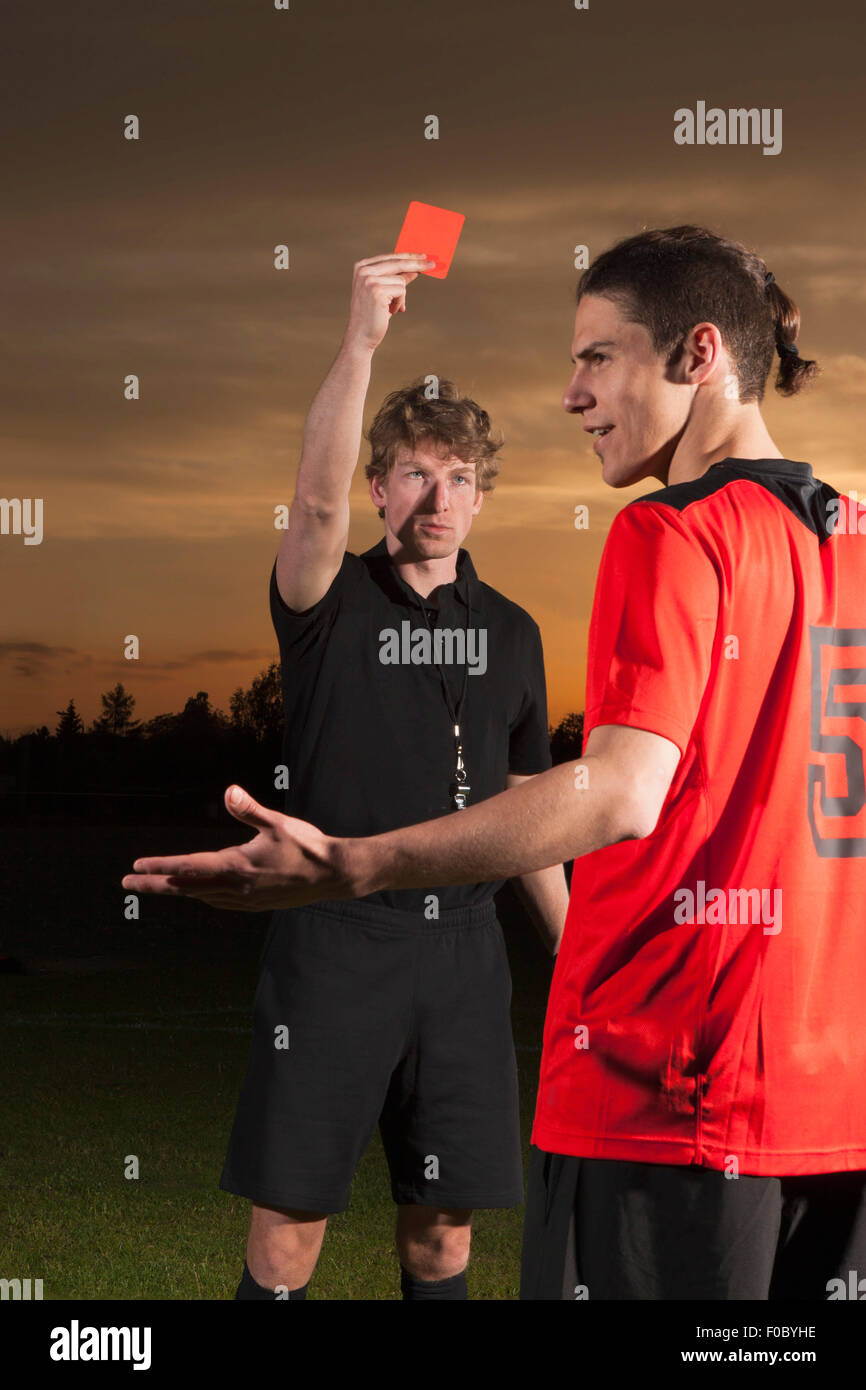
700, 1125
411, 689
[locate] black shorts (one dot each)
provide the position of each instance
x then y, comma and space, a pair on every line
389, 1018
602, 1228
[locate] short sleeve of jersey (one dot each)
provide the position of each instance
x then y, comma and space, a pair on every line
296, 629
653, 625
529, 740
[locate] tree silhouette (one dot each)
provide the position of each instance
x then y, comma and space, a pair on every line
200, 715
116, 717
566, 740
259, 710
160, 725
71, 724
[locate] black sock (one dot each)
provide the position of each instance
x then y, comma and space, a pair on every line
248, 1288
455, 1287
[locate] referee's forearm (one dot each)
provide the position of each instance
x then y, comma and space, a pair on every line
544, 821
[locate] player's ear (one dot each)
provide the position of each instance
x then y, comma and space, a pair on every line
377, 492
476, 505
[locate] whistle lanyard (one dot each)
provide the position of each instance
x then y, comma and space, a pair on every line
459, 787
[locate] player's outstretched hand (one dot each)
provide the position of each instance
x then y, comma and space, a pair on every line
289, 863
378, 291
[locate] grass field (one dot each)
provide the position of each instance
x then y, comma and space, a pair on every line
131, 1038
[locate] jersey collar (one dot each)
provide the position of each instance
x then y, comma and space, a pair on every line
459, 587
790, 466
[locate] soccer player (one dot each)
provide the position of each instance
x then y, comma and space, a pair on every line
410, 689
700, 1125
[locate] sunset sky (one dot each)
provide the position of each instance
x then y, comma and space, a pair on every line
306, 126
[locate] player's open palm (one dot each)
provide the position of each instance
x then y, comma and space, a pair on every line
287, 864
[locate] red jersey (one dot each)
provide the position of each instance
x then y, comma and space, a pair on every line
708, 1003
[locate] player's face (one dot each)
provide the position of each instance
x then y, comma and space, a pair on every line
620, 381
430, 499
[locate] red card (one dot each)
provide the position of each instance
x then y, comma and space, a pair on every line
433, 231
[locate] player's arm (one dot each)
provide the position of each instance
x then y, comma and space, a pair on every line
548, 819
311, 550
652, 637
544, 894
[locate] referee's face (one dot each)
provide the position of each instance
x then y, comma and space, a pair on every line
620, 385
429, 499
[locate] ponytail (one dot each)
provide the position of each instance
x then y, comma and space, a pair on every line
794, 371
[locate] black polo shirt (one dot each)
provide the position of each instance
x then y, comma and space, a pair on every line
368, 739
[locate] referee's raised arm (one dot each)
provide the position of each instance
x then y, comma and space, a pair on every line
311, 550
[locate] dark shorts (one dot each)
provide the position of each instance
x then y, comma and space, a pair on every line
601, 1228
389, 1019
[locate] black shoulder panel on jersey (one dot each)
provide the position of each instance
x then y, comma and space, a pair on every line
793, 484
